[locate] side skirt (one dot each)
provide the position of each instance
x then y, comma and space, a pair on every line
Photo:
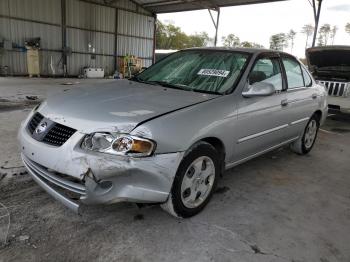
233, 164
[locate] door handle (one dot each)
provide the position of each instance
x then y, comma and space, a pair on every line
284, 102
314, 96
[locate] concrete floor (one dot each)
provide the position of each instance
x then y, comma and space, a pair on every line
278, 207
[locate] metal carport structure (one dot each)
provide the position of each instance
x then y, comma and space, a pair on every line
72, 32
168, 6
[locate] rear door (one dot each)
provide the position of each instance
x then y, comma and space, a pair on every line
301, 96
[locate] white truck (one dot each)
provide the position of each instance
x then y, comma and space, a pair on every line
330, 66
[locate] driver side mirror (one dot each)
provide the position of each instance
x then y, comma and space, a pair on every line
259, 89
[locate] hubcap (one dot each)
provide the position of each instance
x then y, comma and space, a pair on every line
197, 182
310, 133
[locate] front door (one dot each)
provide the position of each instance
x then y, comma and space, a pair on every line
262, 120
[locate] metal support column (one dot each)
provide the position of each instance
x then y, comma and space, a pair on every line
215, 23
116, 40
64, 37
154, 38
317, 12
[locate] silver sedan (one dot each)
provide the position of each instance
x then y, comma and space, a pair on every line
167, 134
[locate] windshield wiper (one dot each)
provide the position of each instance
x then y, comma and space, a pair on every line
174, 86
207, 92
170, 85
161, 83
184, 87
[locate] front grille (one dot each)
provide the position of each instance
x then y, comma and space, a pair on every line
336, 88
56, 134
34, 122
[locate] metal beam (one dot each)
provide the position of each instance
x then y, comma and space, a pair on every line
116, 7
317, 13
29, 20
215, 23
64, 37
154, 39
116, 40
170, 6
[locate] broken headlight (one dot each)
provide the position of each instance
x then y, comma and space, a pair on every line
118, 144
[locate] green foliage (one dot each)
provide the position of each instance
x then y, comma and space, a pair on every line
324, 34
290, 37
347, 28
307, 30
279, 41
333, 32
169, 36
251, 45
231, 40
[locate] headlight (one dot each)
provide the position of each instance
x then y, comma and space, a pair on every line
118, 144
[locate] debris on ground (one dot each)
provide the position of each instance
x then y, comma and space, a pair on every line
139, 217
221, 190
11, 167
2, 176
256, 249
32, 97
23, 238
69, 83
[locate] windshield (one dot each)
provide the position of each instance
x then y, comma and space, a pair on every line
204, 71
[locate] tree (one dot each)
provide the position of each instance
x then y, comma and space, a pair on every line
308, 31
333, 33
169, 36
278, 41
231, 40
199, 39
347, 28
291, 37
250, 45
324, 34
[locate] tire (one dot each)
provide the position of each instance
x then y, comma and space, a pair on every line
305, 143
194, 182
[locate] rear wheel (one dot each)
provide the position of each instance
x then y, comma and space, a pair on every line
194, 182
305, 143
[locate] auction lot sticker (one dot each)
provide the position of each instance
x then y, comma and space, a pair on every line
213, 72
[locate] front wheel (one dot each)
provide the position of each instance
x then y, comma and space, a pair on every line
305, 143
194, 182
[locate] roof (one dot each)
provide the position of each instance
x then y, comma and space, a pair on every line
239, 49
168, 6
242, 49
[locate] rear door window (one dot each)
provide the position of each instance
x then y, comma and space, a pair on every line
293, 71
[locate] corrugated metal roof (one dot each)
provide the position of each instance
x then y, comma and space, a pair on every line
167, 6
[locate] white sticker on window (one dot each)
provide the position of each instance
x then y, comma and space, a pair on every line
213, 72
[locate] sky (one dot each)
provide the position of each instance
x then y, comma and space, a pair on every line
256, 23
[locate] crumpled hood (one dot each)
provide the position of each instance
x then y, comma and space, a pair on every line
116, 106
329, 61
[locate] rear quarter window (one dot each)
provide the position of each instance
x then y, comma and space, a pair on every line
307, 78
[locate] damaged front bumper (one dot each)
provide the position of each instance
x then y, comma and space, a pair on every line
74, 176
